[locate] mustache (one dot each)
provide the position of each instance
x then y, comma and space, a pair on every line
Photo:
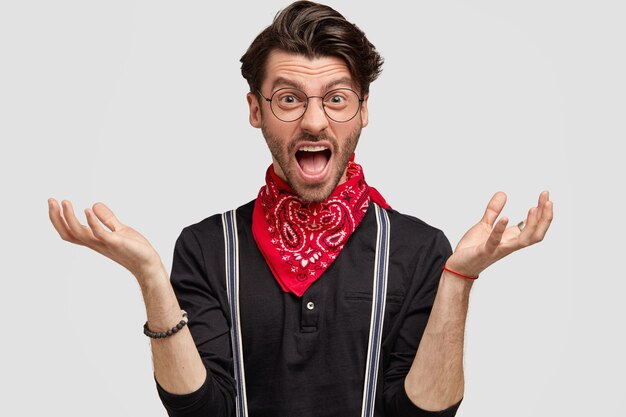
307, 137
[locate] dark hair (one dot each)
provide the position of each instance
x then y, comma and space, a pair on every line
313, 30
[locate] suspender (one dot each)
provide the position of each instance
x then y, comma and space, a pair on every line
379, 292
229, 222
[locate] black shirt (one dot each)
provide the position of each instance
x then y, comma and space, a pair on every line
306, 356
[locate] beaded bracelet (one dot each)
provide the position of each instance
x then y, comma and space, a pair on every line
173, 330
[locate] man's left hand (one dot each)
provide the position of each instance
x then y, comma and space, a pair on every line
489, 240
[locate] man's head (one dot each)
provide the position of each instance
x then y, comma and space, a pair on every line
313, 30
310, 48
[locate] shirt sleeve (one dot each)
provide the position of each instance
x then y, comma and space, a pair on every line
422, 288
209, 327
404, 407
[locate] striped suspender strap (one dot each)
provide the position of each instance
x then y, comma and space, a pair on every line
379, 292
229, 221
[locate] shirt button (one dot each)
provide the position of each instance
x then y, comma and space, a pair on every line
310, 305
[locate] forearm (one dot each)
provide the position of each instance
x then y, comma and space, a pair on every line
178, 367
435, 380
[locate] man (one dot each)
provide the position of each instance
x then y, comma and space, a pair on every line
307, 251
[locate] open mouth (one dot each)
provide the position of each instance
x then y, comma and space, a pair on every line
313, 159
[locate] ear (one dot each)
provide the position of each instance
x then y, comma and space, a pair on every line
255, 110
364, 114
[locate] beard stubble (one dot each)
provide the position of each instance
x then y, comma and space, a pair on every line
340, 155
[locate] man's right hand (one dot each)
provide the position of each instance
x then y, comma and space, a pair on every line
178, 367
120, 243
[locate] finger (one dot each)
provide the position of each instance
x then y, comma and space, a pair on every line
79, 231
532, 218
98, 231
541, 217
59, 223
106, 216
495, 237
547, 214
494, 208
530, 226
543, 197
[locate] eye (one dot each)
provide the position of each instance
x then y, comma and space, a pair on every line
337, 98
288, 98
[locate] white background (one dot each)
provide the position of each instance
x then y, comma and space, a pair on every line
140, 104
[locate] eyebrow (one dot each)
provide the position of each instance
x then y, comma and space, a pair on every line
281, 81
344, 81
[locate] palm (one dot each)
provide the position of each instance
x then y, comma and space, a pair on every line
121, 243
490, 240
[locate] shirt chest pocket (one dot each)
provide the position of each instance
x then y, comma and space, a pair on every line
361, 301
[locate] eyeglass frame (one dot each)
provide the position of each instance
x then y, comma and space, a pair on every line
306, 105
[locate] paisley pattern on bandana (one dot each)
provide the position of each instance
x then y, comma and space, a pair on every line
300, 240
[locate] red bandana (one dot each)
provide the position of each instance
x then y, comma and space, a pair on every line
300, 240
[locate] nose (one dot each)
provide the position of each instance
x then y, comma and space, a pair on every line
314, 120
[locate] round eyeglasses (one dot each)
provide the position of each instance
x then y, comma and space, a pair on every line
290, 104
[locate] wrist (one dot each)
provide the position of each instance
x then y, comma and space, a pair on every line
460, 275
162, 308
464, 266
153, 276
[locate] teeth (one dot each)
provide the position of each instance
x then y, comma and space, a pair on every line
313, 148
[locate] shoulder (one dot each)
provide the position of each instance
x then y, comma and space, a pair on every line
422, 249
212, 225
210, 228
414, 231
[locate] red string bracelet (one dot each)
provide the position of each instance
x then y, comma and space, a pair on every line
458, 274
